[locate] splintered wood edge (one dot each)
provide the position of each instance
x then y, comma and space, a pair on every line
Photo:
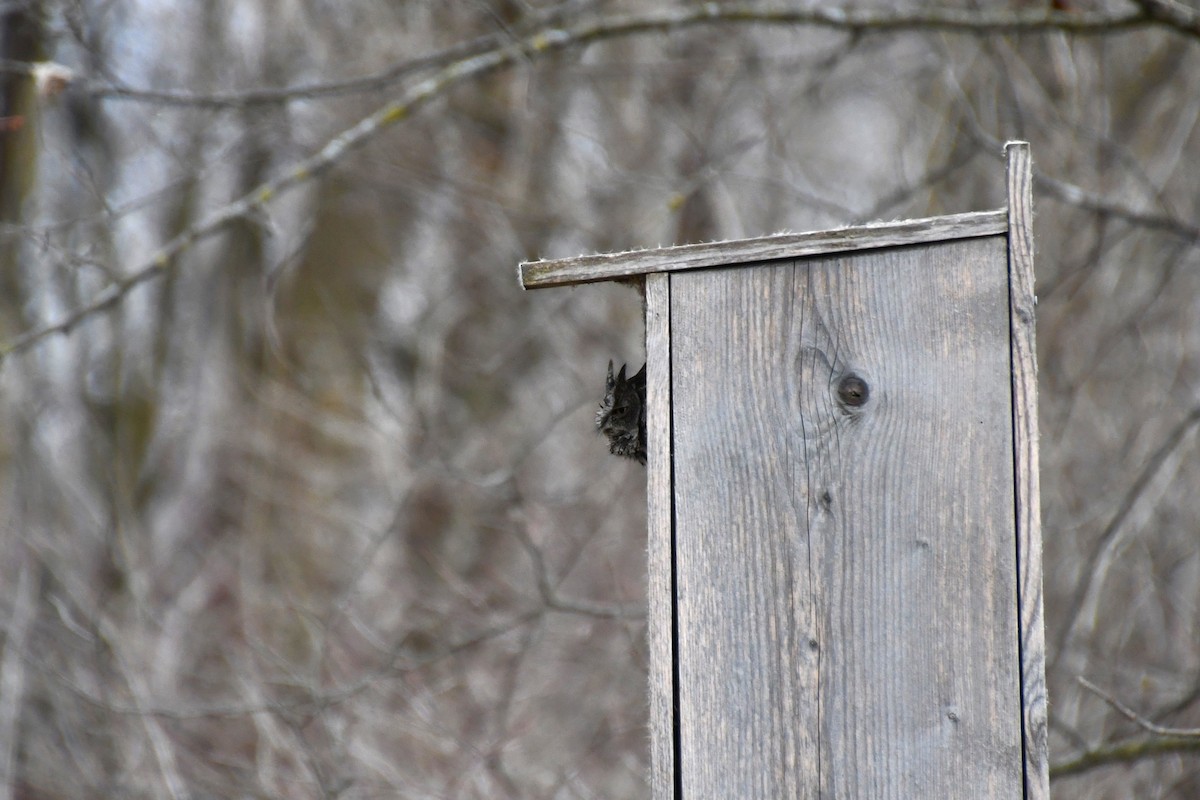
1025, 457
615, 266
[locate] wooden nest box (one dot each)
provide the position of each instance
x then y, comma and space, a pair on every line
845, 592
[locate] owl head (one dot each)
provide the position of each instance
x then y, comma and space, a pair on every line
621, 416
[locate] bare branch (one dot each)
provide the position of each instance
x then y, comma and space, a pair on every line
974, 22
1089, 201
1081, 198
1123, 753
161, 745
1082, 616
854, 21
1134, 717
552, 39
255, 201
284, 94
555, 602
400, 661
1173, 14
110, 88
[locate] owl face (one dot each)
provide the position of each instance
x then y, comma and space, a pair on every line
621, 416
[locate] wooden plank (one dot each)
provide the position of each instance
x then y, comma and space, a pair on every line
613, 266
660, 556
748, 680
1028, 491
846, 576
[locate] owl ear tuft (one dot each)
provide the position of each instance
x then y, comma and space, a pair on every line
621, 374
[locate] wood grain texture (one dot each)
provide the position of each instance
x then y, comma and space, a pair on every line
613, 266
846, 577
660, 549
1028, 491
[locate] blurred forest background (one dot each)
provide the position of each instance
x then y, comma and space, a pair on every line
300, 492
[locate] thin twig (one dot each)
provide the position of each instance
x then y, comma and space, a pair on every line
1089, 201
1165, 741
1106, 546
555, 602
1134, 717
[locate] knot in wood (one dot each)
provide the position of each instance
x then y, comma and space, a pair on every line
853, 391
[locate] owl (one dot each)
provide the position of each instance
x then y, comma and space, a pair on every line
622, 414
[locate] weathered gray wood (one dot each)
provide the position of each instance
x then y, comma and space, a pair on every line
846, 578
1028, 491
660, 549
613, 266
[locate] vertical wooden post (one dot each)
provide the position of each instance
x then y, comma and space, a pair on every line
1025, 455
844, 545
